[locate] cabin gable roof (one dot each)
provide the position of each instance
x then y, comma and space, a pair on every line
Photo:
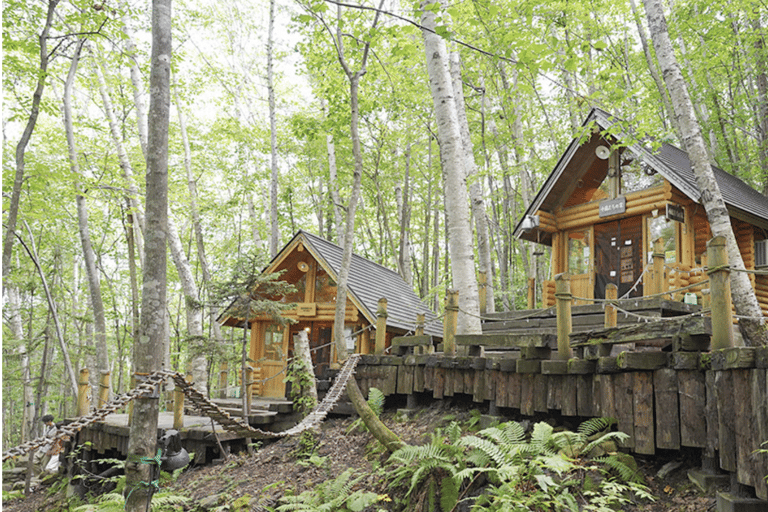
672, 163
368, 282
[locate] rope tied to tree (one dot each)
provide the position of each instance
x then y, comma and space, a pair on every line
154, 484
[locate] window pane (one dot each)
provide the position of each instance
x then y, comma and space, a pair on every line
666, 229
578, 252
273, 343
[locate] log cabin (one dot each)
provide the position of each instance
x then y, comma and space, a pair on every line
312, 265
611, 202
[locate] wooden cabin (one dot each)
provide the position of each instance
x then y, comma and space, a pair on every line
312, 265
608, 200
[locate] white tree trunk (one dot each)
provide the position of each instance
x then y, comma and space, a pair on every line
302, 353
147, 353
274, 231
475, 187
452, 159
744, 299
197, 364
89, 257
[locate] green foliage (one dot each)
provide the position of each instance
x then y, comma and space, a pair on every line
551, 470
305, 449
335, 495
375, 401
429, 473
302, 379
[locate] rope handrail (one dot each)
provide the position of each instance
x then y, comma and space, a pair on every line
662, 294
148, 386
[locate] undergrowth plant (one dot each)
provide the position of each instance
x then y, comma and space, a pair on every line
504, 468
376, 402
336, 495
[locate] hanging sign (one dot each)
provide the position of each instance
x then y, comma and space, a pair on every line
675, 212
613, 206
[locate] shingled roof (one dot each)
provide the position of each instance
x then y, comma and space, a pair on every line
369, 282
743, 202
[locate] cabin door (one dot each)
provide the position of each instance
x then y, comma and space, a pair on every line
619, 257
273, 364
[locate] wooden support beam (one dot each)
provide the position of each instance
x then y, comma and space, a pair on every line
223, 379
563, 299
658, 266
84, 393
381, 327
720, 293
451, 322
103, 389
482, 284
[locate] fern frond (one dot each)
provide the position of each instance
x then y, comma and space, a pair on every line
594, 425
376, 400
491, 450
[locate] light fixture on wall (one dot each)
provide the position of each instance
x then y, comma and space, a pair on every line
602, 152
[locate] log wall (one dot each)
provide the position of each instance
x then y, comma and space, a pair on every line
717, 402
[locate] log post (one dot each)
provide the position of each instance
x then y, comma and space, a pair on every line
658, 266
531, 293
178, 408
563, 303
611, 316
84, 393
482, 284
451, 322
720, 293
420, 321
103, 389
248, 389
381, 327
223, 379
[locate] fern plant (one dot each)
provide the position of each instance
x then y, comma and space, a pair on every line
429, 472
336, 495
549, 471
376, 402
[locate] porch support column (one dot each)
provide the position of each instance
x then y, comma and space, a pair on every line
563, 303
381, 327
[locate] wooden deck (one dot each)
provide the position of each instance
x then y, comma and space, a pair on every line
668, 392
198, 434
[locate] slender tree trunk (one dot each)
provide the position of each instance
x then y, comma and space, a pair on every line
333, 188
479, 211
52, 309
21, 147
274, 232
744, 300
13, 310
652, 68
761, 109
197, 364
148, 347
404, 252
89, 257
452, 159
196, 222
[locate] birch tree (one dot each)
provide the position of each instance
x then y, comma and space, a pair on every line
89, 257
751, 324
454, 174
147, 348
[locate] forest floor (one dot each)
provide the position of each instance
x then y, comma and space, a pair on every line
258, 481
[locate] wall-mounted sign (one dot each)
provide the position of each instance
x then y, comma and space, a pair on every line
613, 206
306, 309
675, 212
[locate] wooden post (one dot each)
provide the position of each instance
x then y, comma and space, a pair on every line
563, 302
482, 284
84, 393
223, 379
451, 322
658, 266
130, 404
381, 327
178, 408
420, 321
103, 389
248, 388
531, 293
611, 316
720, 293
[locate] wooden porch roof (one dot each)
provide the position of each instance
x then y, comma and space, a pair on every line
670, 162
